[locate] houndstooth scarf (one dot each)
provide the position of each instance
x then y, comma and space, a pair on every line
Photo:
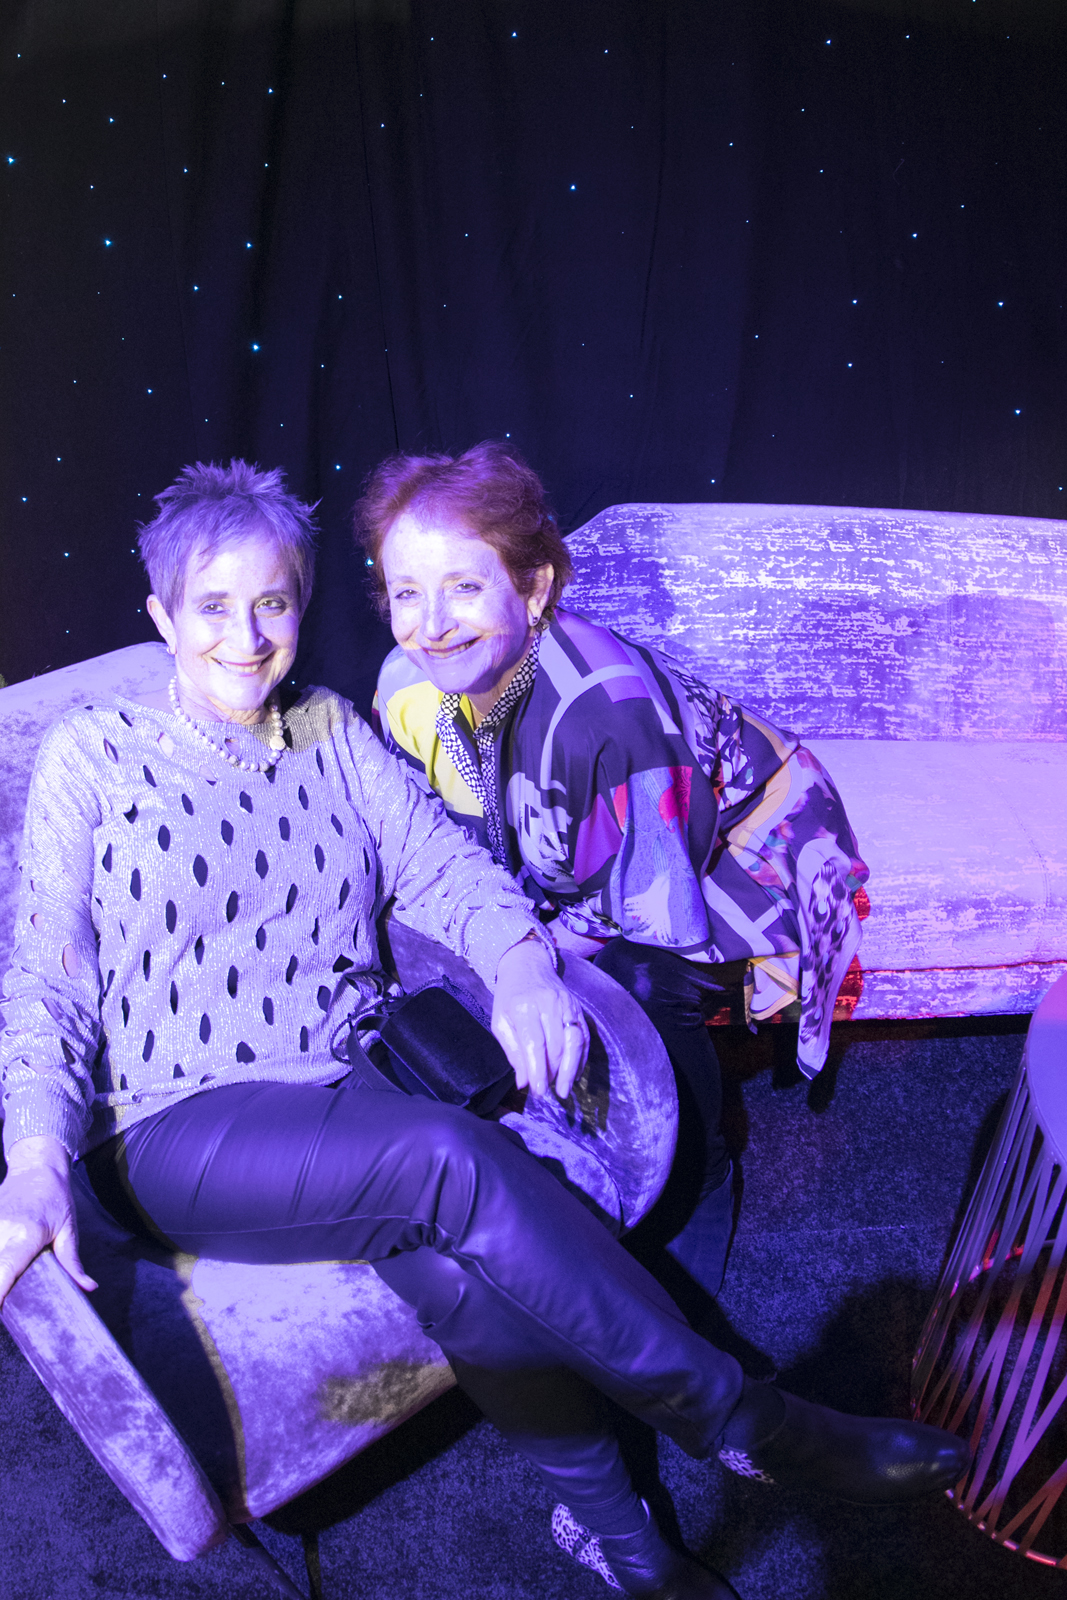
480, 776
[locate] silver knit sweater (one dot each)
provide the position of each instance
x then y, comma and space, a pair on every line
184, 925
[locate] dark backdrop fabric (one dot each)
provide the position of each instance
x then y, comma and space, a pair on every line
766, 250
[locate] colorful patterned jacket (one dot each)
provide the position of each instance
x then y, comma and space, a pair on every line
638, 801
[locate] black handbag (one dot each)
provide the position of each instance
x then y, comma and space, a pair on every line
429, 1043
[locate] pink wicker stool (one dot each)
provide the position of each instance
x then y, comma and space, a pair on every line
992, 1360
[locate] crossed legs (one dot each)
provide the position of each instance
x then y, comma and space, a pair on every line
529, 1296
503, 1267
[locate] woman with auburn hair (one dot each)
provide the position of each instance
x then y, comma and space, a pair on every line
659, 828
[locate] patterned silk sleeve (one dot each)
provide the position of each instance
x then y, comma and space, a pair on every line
624, 849
387, 732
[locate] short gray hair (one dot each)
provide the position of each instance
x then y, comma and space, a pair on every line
209, 507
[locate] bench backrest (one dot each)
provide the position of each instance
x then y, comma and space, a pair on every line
845, 622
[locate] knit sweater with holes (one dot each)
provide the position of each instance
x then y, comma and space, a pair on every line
184, 925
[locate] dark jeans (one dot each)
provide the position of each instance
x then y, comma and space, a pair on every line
670, 991
505, 1270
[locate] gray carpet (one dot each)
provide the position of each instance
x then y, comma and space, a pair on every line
851, 1190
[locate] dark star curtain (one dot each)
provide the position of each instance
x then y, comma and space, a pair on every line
674, 249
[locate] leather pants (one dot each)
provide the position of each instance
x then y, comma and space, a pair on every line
506, 1270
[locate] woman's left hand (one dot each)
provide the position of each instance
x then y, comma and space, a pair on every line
537, 1020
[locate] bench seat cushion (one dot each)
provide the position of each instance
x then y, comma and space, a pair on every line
967, 848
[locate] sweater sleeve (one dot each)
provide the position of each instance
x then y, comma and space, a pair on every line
444, 885
52, 988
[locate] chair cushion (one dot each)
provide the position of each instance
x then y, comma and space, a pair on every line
968, 855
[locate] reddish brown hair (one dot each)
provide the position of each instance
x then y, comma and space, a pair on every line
488, 491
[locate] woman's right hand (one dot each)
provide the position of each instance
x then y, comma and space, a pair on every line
37, 1210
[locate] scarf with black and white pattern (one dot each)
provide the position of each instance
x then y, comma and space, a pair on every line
480, 776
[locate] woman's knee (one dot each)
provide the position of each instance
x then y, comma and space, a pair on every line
659, 980
624, 962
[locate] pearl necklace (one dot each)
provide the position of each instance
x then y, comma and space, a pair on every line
276, 741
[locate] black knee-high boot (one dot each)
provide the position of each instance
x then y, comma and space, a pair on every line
554, 1419
531, 1280
522, 1255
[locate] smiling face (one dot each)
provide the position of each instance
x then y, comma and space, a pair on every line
235, 632
454, 607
